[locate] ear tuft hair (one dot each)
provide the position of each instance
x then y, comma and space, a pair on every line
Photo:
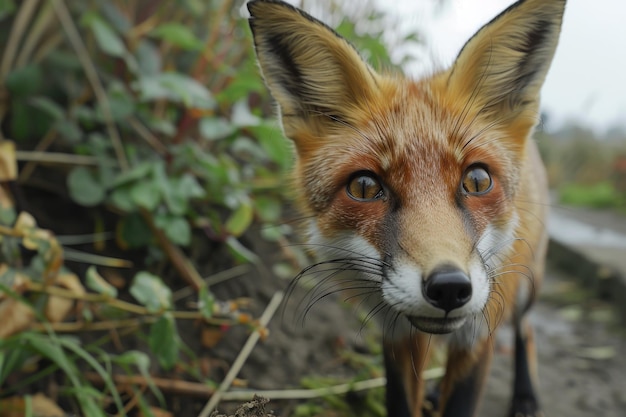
503, 66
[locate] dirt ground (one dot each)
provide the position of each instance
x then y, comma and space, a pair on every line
581, 351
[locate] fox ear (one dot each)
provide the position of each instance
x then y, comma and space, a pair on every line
501, 69
313, 73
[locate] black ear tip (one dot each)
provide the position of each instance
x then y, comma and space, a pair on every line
251, 5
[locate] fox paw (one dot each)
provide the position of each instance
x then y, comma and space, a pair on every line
525, 407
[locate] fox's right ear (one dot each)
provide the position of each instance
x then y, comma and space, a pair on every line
314, 74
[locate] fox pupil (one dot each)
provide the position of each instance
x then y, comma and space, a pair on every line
477, 181
364, 187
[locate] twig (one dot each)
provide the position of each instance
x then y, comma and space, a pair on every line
19, 26
213, 279
43, 144
176, 256
43, 21
90, 258
243, 355
146, 135
291, 394
170, 385
56, 158
92, 75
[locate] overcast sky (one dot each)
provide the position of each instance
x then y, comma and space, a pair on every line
587, 81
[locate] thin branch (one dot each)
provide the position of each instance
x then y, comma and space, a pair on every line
247, 395
92, 75
146, 135
56, 158
19, 26
243, 355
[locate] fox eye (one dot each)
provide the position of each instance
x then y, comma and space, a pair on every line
365, 187
476, 180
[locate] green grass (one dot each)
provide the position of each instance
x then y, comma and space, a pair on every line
600, 195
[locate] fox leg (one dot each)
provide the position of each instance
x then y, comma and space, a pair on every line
463, 383
525, 402
404, 362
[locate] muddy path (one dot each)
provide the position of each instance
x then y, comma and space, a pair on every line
581, 351
581, 356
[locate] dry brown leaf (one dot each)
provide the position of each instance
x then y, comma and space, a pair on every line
6, 201
41, 406
24, 221
16, 316
58, 308
8, 162
44, 406
211, 336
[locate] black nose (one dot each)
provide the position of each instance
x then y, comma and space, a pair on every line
447, 288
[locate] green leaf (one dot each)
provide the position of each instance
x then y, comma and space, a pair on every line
164, 341
178, 34
133, 358
190, 187
151, 292
121, 104
176, 228
240, 220
176, 87
206, 302
273, 143
7, 216
75, 347
146, 194
134, 232
215, 128
95, 282
84, 188
48, 106
122, 199
136, 173
148, 58
7, 7
69, 130
106, 38
24, 81
240, 251
268, 208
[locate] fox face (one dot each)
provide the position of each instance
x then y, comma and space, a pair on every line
412, 184
427, 197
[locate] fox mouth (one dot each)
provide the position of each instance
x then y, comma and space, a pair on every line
437, 325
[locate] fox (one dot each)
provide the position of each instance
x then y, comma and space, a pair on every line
426, 197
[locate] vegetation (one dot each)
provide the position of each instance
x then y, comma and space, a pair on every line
585, 167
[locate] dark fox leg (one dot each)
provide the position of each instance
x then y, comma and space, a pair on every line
395, 394
404, 363
525, 402
462, 386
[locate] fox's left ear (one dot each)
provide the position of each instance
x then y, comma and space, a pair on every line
501, 69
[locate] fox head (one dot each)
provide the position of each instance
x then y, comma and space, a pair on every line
413, 185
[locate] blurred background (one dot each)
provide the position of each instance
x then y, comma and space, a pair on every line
144, 217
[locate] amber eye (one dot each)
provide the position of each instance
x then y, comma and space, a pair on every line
476, 180
365, 187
